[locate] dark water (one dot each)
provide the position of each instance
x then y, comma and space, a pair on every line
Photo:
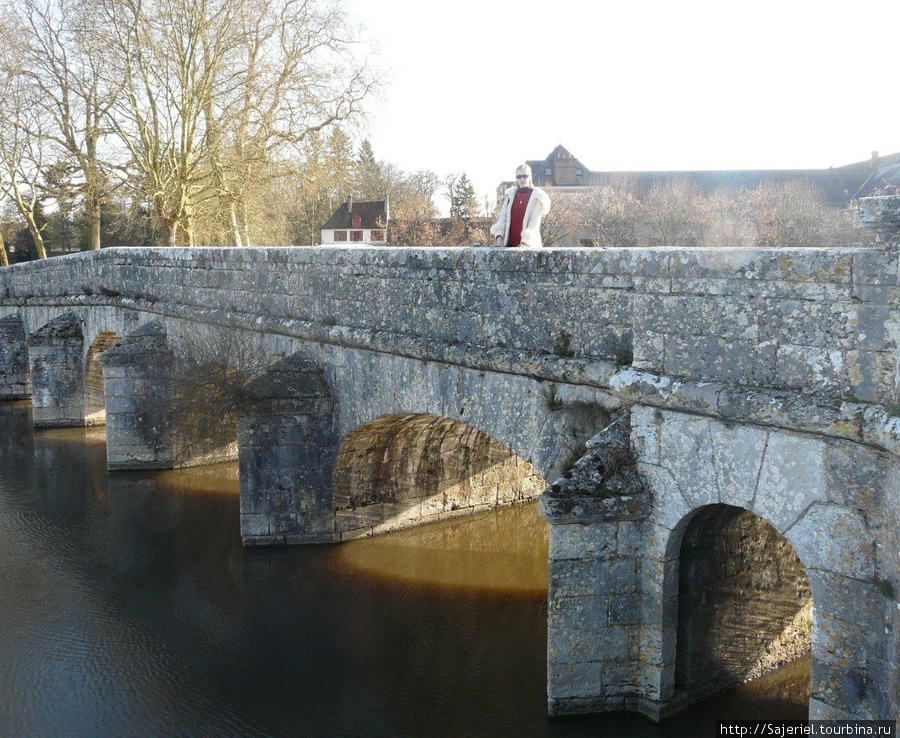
128, 608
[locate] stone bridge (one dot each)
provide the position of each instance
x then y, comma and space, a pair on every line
722, 425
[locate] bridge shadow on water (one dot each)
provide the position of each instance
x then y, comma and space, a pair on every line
130, 608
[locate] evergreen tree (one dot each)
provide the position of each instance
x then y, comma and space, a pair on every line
463, 203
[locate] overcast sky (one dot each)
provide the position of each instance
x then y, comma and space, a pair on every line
480, 85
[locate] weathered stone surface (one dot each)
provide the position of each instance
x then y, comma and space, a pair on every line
15, 376
57, 373
761, 379
139, 393
287, 449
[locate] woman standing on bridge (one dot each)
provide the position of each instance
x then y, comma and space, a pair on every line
523, 207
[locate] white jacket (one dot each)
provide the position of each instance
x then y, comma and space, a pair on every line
538, 206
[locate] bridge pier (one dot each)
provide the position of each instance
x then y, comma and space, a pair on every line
137, 376
57, 373
287, 450
795, 515
15, 377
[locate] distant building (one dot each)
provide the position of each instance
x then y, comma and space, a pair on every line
563, 172
884, 179
357, 222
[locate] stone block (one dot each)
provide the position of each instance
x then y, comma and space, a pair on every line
624, 609
687, 456
835, 539
669, 506
792, 477
847, 690
715, 358
737, 452
839, 642
578, 578
856, 475
578, 631
576, 679
875, 267
617, 576
582, 541
255, 524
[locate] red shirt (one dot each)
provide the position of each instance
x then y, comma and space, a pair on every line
517, 216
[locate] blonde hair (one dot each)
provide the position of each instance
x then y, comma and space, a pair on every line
528, 182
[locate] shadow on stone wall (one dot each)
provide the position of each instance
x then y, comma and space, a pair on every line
403, 469
94, 394
745, 604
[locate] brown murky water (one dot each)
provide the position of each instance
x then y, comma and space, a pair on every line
129, 608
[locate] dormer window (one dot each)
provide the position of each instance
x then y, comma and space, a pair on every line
357, 221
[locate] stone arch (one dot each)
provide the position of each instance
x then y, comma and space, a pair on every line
406, 469
741, 597
94, 395
826, 497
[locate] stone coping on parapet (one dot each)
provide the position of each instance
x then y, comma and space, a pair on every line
866, 423
833, 263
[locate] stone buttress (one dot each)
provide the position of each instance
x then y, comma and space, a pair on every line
15, 377
139, 386
56, 353
287, 451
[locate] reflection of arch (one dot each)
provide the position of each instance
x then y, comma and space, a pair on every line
743, 600
404, 469
94, 400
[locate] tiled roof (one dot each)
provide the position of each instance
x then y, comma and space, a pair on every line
838, 184
879, 180
371, 215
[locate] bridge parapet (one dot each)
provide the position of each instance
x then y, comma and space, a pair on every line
811, 320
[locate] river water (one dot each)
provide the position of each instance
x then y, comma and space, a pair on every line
129, 608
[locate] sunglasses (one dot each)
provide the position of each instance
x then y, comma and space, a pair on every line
521, 176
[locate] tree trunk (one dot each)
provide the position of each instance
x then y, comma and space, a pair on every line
37, 238
4, 259
235, 228
93, 218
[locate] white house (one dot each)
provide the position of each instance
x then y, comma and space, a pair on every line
357, 222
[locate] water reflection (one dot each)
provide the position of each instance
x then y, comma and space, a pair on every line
504, 550
128, 608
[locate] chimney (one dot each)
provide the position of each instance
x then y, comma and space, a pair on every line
349, 203
874, 160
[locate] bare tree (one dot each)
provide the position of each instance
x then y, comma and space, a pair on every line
167, 54
560, 226
793, 213
220, 95
611, 215
23, 139
61, 63
725, 215
672, 212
